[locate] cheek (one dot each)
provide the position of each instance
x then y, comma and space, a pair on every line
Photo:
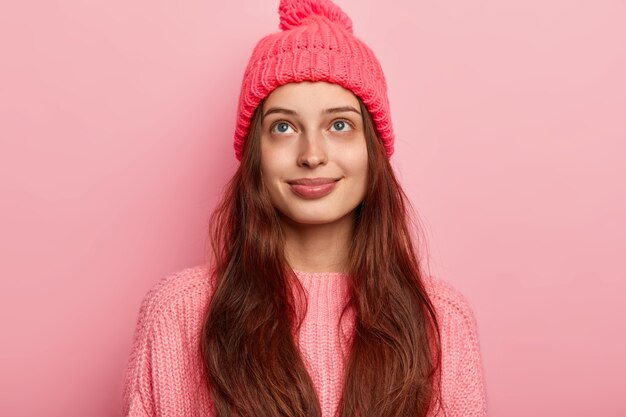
354, 161
273, 170
273, 156
268, 162
358, 165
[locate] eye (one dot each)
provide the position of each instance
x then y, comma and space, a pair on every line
280, 127
342, 125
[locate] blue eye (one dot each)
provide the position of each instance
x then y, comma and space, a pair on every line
340, 125
281, 127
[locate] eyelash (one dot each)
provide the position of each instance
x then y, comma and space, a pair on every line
334, 121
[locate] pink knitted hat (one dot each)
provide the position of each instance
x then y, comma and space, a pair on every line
316, 44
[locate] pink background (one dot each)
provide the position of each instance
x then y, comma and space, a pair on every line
116, 122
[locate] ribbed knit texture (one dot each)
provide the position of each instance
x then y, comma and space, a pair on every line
165, 376
316, 43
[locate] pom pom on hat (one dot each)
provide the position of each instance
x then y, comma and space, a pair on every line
293, 12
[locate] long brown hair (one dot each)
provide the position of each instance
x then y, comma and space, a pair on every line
253, 365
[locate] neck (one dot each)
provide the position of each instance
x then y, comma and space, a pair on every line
318, 247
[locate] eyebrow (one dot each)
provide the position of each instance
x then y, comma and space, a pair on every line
327, 111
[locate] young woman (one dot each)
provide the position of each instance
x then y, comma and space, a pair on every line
314, 302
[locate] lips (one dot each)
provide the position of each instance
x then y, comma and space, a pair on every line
313, 181
312, 187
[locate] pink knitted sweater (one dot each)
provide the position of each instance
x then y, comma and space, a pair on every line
165, 376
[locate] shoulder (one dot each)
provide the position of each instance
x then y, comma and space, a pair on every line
454, 310
182, 294
164, 352
448, 300
462, 378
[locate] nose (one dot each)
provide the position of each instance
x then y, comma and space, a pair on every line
313, 150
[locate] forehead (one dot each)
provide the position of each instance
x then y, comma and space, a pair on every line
310, 95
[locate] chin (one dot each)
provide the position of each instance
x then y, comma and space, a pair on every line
313, 217
312, 220
316, 221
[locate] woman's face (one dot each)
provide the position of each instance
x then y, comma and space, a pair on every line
313, 151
